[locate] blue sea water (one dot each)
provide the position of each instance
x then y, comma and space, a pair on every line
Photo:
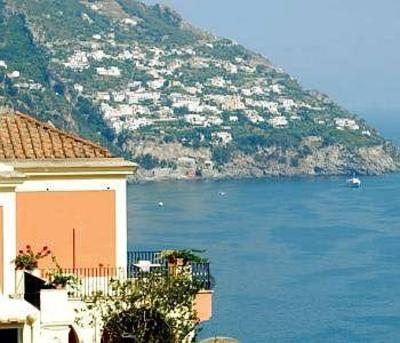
295, 260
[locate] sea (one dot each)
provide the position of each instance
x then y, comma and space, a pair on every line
294, 259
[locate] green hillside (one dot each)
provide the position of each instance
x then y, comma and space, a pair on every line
181, 102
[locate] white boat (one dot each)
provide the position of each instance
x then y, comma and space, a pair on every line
354, 182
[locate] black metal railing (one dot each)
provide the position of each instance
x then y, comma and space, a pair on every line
96, 281
200, 271
32, 287
152, 256
89, 282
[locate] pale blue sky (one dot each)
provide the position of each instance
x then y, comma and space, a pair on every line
349, 49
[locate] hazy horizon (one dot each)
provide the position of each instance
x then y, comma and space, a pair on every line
345, 49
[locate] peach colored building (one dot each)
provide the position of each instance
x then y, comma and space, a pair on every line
67, 193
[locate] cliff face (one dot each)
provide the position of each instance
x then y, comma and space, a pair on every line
330, 160
179, 101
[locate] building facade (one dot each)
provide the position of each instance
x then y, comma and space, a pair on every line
68, 194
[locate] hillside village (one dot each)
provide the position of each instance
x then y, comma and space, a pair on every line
165, 97
210, 96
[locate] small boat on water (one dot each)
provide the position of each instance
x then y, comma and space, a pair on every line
354, 182
160, 204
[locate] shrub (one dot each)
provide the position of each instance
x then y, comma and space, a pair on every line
221, 155
148, 161
138, 324
154, 307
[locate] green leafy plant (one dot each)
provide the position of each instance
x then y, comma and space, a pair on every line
129, 324
154, 307
59, 279
187, 255
28, 260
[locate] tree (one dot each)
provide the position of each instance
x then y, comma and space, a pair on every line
152, 308
148, 161
137, 325
221, 155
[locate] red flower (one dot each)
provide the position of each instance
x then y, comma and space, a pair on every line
20, 252
45, 248
28, 247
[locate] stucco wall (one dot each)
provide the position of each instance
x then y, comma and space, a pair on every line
203, 305
48, 219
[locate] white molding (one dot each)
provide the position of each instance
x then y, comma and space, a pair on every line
7, 201
121, 225
59, 185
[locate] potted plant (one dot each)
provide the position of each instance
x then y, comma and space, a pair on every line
28, 260
183, 257
171, 256
60, 280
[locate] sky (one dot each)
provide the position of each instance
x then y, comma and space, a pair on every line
348, 49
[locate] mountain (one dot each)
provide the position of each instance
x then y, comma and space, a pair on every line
179, 101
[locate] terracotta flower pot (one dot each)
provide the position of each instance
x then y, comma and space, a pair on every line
171, 260
180, 262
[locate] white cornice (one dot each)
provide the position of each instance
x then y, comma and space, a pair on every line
106, 167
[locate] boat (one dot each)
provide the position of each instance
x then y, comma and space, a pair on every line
353, 182
160, 204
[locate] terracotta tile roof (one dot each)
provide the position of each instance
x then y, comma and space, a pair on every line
25, 138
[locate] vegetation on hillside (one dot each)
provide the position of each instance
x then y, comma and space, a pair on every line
130, 76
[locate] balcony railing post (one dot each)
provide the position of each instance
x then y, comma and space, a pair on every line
208, 276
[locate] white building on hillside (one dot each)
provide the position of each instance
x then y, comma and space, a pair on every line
195, 119
222, 137
346, 123
112, 71
278, 122
14, 75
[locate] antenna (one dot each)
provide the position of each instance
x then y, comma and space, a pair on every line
73, 249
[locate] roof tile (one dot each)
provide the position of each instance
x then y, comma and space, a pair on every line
25, 138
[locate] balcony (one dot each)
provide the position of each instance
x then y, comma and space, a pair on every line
200, 271
98, 281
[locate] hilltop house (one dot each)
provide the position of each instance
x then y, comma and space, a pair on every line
67, 193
